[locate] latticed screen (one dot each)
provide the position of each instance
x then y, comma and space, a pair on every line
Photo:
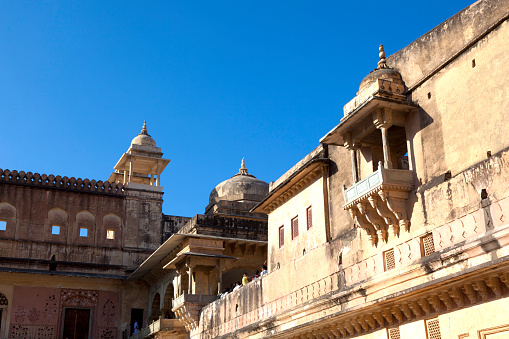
281, 236
394, 333
3, 300
433, 329
427, 244
295, 227
389, 259
309, 213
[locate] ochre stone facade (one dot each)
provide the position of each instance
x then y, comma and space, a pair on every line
395, 226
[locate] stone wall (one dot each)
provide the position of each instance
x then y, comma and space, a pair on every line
122, 226
172, 224
227, 227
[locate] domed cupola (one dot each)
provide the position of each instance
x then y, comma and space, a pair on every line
143, 139
142, 164
382, 72
238, 194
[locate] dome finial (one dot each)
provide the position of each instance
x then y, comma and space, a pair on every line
243, 169
381, 54
144, 128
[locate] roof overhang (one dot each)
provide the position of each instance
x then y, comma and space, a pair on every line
335, 136
171, 243
298, 176
173, 263
141, 163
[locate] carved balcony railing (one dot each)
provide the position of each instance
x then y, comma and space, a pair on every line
187, 307
169, 326
378, 203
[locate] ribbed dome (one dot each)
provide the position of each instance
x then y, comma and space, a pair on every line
143, 139
241, 187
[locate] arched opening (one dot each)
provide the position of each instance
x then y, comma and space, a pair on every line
167, 303
155, 310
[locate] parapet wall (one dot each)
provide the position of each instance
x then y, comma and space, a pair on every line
52, 181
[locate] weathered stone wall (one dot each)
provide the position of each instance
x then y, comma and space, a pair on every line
228, 227
172, 224
340, 174
31, 204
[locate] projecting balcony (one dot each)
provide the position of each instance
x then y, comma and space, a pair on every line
187, 307
163, 328
378, 203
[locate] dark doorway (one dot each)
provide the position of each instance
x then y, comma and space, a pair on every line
76, 323
136, 317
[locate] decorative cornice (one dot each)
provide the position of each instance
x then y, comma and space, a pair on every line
51, 181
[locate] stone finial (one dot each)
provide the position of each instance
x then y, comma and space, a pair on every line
243, 169
144, 128
381, 54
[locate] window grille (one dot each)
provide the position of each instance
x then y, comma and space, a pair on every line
433, 329
389, 260
393, 333
427, 245
281, 236
3, 300
295, 227
309, 214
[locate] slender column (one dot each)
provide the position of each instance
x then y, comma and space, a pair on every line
130, 169
151, 179
190, 290
158, 179
386, 149
355, 175
219, 277
125, 176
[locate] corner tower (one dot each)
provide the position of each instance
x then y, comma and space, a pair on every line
142, 164
139, 169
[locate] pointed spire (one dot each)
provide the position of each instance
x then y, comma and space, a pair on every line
144, 128
243, 169
381, 54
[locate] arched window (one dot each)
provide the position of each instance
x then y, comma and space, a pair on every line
167, 302
155, 311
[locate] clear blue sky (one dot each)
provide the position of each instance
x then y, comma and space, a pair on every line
215, 80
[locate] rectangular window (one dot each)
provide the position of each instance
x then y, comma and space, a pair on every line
295, 227
309, 215
433, 329
3, 225
83, 232
55, 229
281, 236
110, 234
427, 245
389, 260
